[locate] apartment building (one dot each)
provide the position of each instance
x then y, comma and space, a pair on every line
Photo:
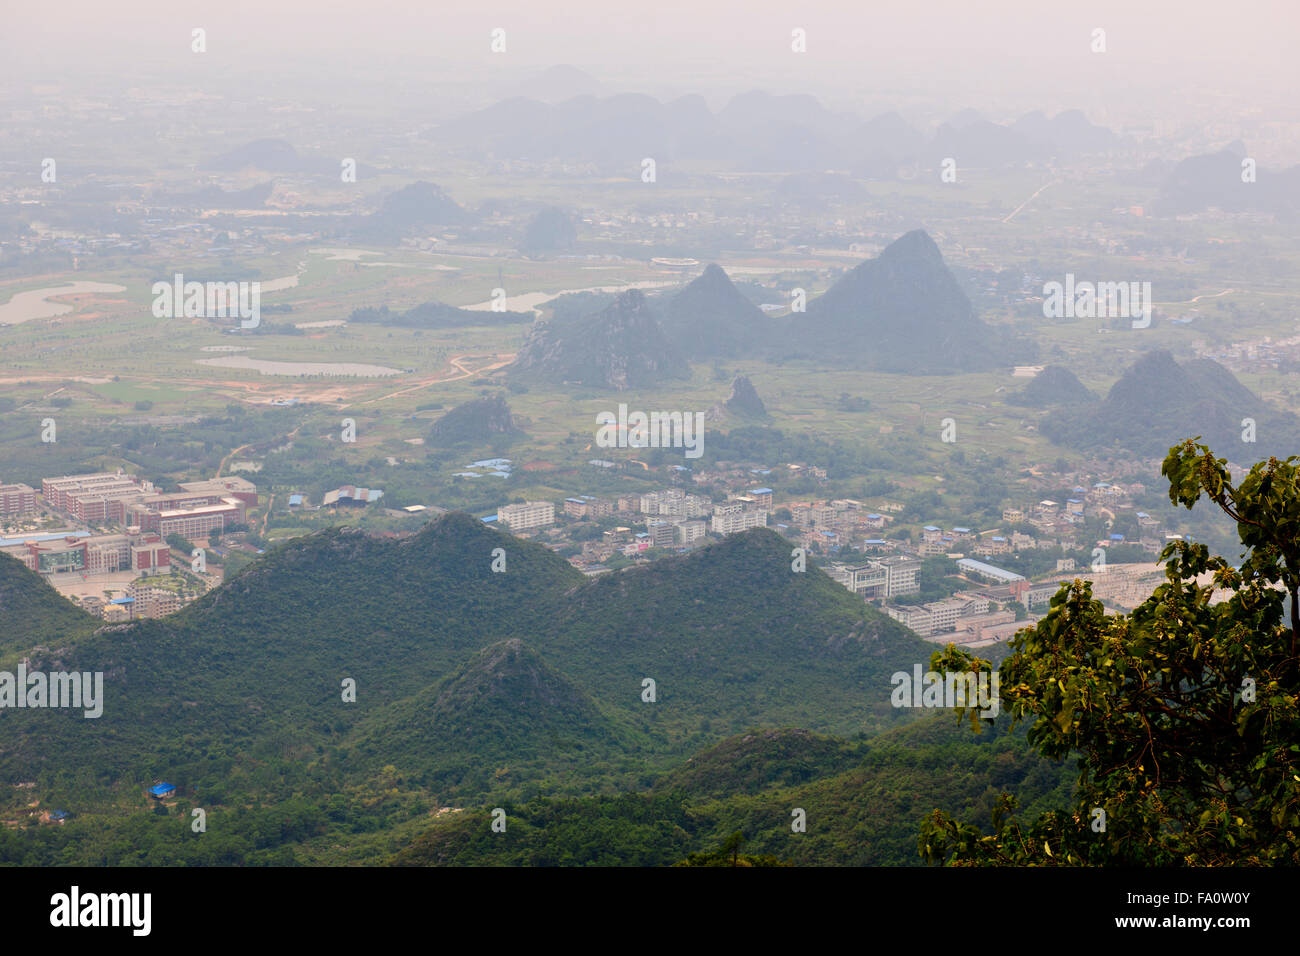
152, 602
579, 507
674, 503
939, 617
17, 500
526, 516
823, 515
938, 546
95, 499
889, 577
902, 575
691, 531
733, 517
662, 533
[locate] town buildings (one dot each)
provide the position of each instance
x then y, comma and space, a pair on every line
526, 516
17, 500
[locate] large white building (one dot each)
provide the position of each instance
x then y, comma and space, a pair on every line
881, 578
674, 503
732, 517
526, 516
939, 616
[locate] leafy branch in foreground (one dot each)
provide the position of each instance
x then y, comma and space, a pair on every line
1183, 713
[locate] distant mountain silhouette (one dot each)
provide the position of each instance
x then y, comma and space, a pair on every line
479, 421
1067, 133
982, 144
711, 318
621, 346
744, 400
1215, 180
214, 197
878, 148
272, 155
563, 82
551, 230
1159, 402
413, 208
755, 130
901, 312
1054, 385
277, 156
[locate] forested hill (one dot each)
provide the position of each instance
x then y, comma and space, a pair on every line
470, 684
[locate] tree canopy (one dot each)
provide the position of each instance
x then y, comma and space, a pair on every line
1182, 714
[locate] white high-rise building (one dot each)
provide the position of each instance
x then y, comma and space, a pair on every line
526, 516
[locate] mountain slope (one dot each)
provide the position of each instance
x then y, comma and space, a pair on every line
482, 420
730, 632
1158, 402
1054, 385
503, 708
900, 312
255, 676
622, 346
33, 613
711, 318
863, 802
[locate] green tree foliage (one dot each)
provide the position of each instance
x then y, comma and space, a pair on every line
1183, 713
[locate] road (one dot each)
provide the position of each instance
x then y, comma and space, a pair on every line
1016, 211
458, 363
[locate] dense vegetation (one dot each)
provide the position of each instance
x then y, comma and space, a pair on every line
1183, 713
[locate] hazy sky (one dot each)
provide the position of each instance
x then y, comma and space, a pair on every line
967, 49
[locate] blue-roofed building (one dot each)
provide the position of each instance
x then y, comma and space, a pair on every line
488, 519
161, 791
295, 501
9, 540
1117, 537
122, 600
58, 816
